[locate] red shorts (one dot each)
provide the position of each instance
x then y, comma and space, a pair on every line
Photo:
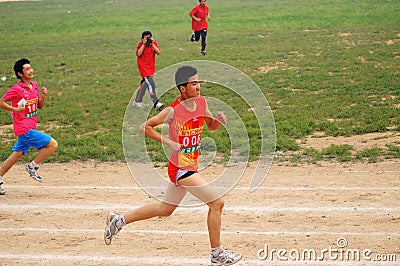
175, 173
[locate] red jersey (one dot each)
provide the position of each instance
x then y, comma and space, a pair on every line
147, 61
201, 13
186, 128
26, 120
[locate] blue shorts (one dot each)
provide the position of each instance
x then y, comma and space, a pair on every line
32, 138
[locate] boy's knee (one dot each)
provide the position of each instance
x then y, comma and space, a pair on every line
18, 156
217, 204
166, 211
53, 144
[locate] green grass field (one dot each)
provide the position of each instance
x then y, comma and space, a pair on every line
328, 66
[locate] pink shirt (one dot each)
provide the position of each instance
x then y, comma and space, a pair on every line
201, 13
26, 120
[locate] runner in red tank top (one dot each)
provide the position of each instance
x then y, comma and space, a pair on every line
186, 128
185, 118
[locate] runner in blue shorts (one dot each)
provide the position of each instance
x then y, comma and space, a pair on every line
25, 101
32, 138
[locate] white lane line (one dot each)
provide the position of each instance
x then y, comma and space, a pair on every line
185, 232
235, 209
158, 260
371, 171
236, 188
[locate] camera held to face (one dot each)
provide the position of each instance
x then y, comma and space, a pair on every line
149, 40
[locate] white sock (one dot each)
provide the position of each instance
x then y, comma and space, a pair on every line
1, 180
216, 251
120, 222
33, 165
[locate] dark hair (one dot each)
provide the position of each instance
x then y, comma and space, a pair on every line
146, 32
19, 66
183, 74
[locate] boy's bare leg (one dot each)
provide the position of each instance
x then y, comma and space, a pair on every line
114, 222
173, 196
46, 151
199, 188
10, 162
149, 211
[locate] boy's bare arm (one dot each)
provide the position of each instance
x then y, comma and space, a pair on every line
5, 106
148, 128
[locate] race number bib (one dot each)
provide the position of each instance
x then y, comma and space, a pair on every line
31, 108
190, 143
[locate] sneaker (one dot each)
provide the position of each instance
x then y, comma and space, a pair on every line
137, 104
33, 173
111, 229
203, 52
225, 258
159, 105
2, 191
192, 39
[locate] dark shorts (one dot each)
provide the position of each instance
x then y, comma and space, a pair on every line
182, 174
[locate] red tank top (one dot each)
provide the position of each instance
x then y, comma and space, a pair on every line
186, 128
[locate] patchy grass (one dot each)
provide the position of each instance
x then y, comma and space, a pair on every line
328, 66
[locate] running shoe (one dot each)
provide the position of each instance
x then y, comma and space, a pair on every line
111, 229
159, 105
226, 257
203, 52
33, 173
192, 39
2, 191
137, 104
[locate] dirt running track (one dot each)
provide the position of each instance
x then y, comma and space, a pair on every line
297, 209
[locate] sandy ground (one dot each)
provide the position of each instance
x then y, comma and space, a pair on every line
61, 220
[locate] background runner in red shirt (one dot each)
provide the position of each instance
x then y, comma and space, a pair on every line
199, 14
